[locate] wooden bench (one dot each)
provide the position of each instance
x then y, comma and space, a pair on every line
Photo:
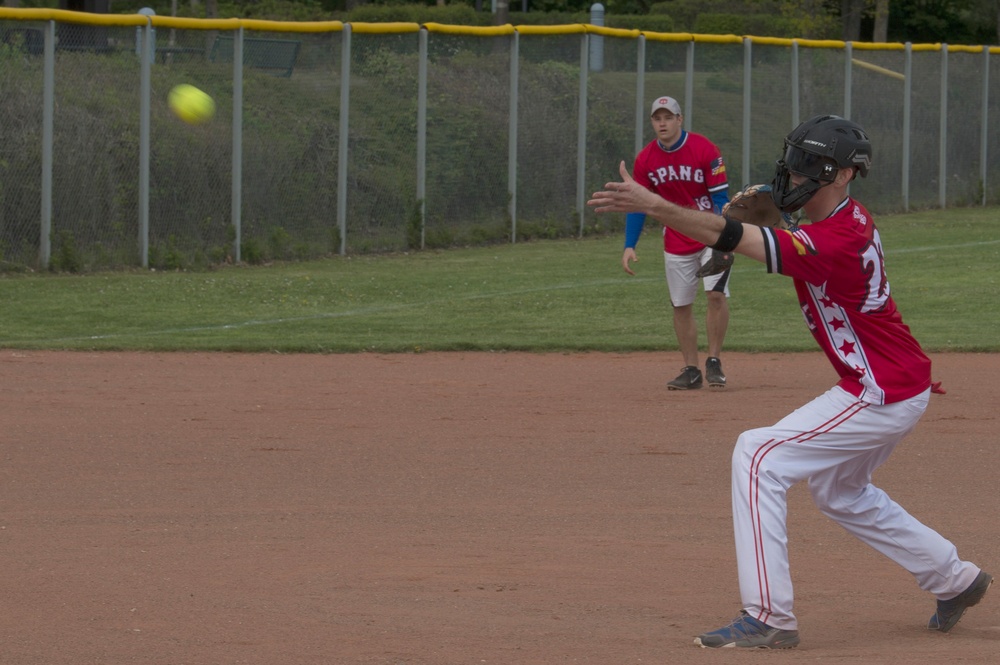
276, 56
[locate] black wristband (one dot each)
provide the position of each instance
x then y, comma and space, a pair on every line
730, 237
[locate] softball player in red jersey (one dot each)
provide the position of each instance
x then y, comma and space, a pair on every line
687, 169
837, 440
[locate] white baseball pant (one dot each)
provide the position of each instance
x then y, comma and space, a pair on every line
835, 442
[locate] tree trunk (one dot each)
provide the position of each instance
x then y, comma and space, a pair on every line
881, 31
502, 17
850, 14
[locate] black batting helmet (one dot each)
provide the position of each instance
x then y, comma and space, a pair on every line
816, 149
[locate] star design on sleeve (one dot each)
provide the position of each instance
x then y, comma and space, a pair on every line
847, 348
836, 323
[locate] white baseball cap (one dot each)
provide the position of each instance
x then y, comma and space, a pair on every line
668, 103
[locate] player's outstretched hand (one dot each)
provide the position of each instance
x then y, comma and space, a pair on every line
624, 196
627, 258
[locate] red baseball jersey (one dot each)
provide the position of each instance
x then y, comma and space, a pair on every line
839, 272
687, 174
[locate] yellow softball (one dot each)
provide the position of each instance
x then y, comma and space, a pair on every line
191, 104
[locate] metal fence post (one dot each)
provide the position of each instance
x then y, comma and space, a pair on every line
512, 131
796, 113
640, 93
48, 123
140, 40
984, 132
848, 78
689, 86
581, 134
597, 41
237, 184
943, 128
747, 68
345, 106
422, 134
144, 140
907, 110
848, 83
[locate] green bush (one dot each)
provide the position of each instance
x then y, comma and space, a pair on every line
648, 22
760, 25
273, 10
174, 258
765, 25
762, 18
415, 226
439, 238
720, 24
410, 13
280, 242
549, 18
66, 255
252, 252
686, 12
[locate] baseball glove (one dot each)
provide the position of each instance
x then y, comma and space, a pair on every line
754, 205
719, 262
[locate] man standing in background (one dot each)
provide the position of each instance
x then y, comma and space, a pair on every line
686, 169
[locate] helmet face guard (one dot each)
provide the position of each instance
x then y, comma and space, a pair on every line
812, 166
819, 171
791, 200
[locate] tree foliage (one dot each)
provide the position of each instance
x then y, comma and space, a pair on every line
948, 21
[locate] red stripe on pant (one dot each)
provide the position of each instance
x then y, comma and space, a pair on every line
754, 489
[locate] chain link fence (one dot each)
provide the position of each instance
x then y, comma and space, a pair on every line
333, 138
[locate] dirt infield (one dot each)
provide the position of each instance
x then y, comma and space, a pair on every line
445, 509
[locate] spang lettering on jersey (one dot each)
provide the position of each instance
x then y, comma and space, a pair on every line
674, 173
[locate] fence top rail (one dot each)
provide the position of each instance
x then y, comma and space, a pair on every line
689, 37
247, 24
487, 31
67, 16
569, 29
384, 28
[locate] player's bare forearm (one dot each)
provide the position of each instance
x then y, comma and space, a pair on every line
705, 227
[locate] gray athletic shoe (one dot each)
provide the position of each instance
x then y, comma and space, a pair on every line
745, 632
689, 379
713, 373
950, 611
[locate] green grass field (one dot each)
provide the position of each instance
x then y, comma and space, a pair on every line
566, 295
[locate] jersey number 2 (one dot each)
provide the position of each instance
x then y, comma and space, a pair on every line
873, 267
